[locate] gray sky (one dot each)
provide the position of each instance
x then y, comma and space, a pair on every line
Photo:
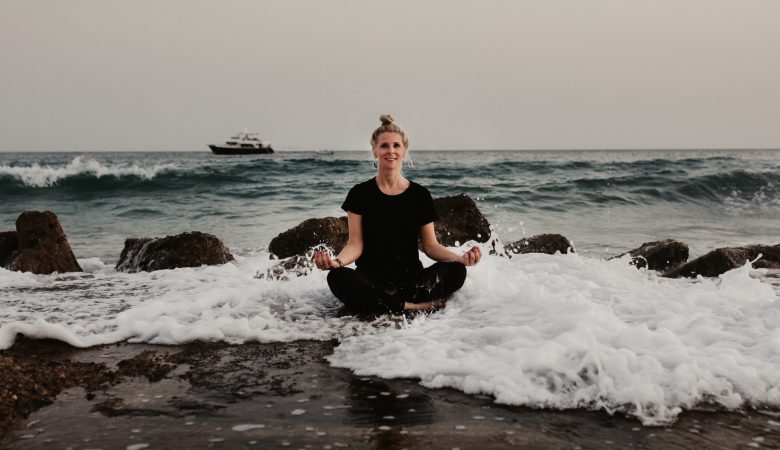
98, 75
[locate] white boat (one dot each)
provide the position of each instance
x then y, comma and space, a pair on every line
243, 143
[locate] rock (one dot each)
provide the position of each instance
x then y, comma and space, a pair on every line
459, 221
658, 255
9, 245
43, 246
543, 243
192, 249
329, 231
297, 265
724, 259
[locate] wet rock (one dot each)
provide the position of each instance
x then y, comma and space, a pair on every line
8, 246
192, 249
294, 265
148, 364
724, 259
543, 243
658, 255
459, 221
42, 245
329, 231
29, 381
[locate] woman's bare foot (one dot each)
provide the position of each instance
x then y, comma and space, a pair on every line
426, 306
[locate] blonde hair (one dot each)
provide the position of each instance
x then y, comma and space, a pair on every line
388, 126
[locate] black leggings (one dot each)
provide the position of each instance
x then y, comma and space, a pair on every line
363, 293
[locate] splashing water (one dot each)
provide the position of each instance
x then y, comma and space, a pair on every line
560, 331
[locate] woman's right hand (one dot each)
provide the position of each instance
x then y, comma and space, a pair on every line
323, 260
471, 257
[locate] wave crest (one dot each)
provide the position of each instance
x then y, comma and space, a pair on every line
41, 176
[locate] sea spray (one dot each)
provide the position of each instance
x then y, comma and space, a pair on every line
567, 332
216, 303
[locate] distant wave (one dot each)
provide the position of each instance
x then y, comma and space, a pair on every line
691, 180
89, 175
545, 184
40, 176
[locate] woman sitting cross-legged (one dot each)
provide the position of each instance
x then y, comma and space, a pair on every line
388, 215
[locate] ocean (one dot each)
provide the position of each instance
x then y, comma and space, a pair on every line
555, 331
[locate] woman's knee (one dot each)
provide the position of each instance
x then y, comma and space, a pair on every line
454, 274
338, 275
340, 280
439, 280
357, 292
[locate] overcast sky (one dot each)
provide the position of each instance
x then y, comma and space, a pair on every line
98, 75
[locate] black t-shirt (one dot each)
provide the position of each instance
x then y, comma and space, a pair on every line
391, 227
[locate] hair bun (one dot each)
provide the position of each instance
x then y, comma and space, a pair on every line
386, 119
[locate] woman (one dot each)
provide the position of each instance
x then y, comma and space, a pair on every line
387, 215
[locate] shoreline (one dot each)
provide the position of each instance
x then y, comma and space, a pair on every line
286, 395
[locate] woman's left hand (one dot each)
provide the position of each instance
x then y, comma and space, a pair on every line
471, 257
323, 261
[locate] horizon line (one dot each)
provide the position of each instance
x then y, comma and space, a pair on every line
672, 149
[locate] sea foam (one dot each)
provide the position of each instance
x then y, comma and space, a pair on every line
566, 332
36, 175
559, 331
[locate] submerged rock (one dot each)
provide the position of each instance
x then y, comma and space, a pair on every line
543, 243
9, 245
329, 231
42, 246
191, 249
658, 255
722, 260
459, 221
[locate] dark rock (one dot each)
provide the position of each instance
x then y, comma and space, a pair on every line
148, 364
659, 255
722, 260
191, 249
297, 265
43, 246
543, 243
8, 246
329, 231
459, 221
29, 380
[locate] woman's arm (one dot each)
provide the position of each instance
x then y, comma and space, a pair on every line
351, 252
438, 252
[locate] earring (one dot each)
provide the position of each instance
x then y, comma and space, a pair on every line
376, 164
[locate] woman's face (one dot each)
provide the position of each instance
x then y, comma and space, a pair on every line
389, 151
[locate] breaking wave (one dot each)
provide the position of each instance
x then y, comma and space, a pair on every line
42, 176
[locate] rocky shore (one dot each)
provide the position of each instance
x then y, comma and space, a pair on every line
207, 395
286, 395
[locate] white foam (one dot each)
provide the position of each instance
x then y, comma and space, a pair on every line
37, 175
217, 303
566, 332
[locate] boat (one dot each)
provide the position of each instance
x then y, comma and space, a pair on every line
243, 143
